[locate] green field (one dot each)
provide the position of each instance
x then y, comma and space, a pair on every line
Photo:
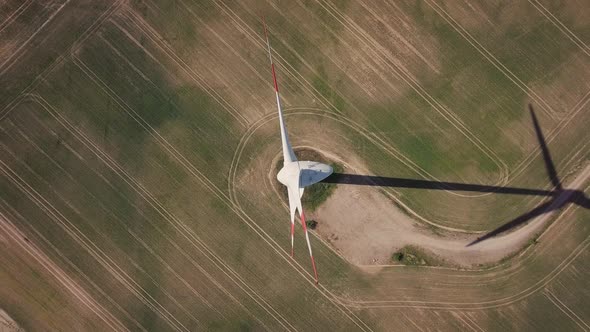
138, 141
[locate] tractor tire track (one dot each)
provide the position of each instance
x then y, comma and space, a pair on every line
12, 232
492, 59
183, 161
15, 14
103, 259
179, 226
11, 60
10, 210
113, 215
380, 56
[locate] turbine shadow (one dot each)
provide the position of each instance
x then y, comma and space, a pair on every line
382, 181
559, 197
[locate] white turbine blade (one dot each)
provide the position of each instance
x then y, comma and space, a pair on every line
288, 155
292, 208
315, 272
295, 200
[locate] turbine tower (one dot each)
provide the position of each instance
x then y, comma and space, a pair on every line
295, 175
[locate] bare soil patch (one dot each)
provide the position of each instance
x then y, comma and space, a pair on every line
366, 227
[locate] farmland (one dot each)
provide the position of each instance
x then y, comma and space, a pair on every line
139, 141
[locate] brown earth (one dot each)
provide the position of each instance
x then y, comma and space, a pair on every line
364, 225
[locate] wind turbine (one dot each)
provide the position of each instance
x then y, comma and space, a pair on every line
295, 174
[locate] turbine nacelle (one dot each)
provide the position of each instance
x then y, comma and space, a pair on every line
303, 173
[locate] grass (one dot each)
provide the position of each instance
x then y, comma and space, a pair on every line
187, 112
488, 100
416, 256
49, 45
322, 85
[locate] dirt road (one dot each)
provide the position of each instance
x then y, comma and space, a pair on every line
362, 224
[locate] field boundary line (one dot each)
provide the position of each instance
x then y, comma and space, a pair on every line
409, 319
129, 63
566, 310
60, 275
400, 36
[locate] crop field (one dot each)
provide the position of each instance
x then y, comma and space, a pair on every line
139, 142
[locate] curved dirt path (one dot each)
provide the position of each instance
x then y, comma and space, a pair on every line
366, 228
